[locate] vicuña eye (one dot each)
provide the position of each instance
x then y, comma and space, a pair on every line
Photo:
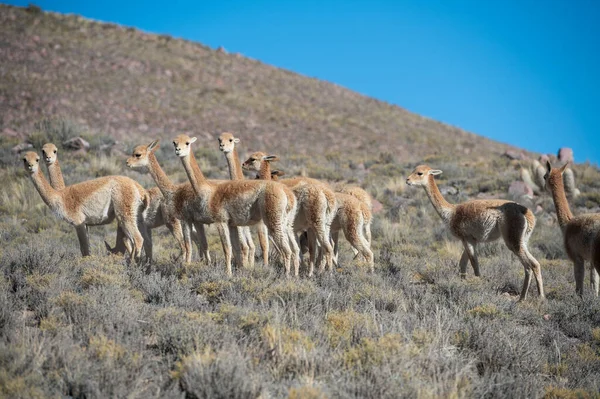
138, 155
420, 173
55, 151
187, 143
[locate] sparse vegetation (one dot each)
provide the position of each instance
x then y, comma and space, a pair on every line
95, 327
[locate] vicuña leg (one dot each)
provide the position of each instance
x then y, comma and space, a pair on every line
579, 271
224, 231
470, 250
595, 262
199, 238
531, 265
251, 248
358, 241
147, 239
147, 235
236, 237
176, 229
368, 233
594, 279
135, 238
323, 235
282, 242
84, 241
295, 248
119, 244
313, 252
464, 261
518, 245
263, 238
335, 243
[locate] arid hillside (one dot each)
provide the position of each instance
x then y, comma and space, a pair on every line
125, 83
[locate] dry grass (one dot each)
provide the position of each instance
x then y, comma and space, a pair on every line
95, 327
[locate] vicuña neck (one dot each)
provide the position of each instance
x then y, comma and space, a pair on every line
55, 175
49, 195
265, 171
563, 212
443, 207
193, 172
165, 185
235, 167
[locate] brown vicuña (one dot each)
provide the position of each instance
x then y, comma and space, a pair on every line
350, 214
227, 145
579, 232
365, 198
95, 202
479, 221
243, 203
316, 210
153, 215
179, 202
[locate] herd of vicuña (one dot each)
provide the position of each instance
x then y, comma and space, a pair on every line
294, 215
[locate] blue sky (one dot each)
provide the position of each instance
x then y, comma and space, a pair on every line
521, 72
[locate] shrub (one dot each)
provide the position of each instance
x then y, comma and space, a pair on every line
289, 350
347, 326
216, 375
55, 131
306, 392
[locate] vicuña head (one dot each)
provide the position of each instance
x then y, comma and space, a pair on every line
139, 156
256, 159
276, 174
553, 177
31, 161
49, 151
182, 145
227, 142
421, 175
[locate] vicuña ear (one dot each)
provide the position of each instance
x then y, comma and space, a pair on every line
193, 140
236, 140
435, 172
548, 166
154, 145
270, 158
564, 167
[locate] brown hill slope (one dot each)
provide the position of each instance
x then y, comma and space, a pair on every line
127, 83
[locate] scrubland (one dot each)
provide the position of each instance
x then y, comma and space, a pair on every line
97, 327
